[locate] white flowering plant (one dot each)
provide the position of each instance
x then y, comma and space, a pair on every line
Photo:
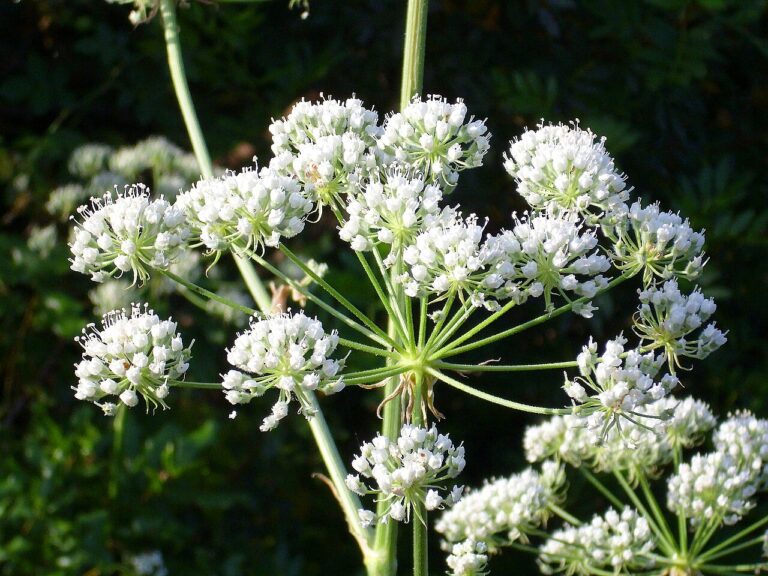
443, 283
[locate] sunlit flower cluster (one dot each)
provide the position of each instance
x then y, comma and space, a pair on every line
565, 168
619, 384
407, 470
661, 244
390, 210
127, 232
245, 210
543, 255
133, 354
745, 438
468, 558
506, 509
288, 352
434, 137
620, 542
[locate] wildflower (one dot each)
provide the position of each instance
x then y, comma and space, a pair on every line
712, 488
468, 558
408, 470
246, 210
289, 352
621, 385
667, 318
447, 258
391, 210
543, 255
564, 169
506, 509
88, 160
127, 233
619, 542
433, 137
325, 145
149, 564
134, 354
745, 438
658, 243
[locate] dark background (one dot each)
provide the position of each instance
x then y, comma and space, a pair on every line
679, 88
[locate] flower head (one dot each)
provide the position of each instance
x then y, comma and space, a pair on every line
546, 255
289, 352
134, 354
128, 232
434, 137
468, 558
745, 438
245, 210
620, 384
667, 318
661, 244
391, 210
619, 542
564, 168
407, 470
506, 509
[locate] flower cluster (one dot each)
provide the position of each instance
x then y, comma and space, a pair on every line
468, 558
325, 145
129, 232
433, 136
564, 168
390, 210
543, 254
666, 317
248, 209
622, 382
619, 542
289, 352
745, 439
447, 258
661, 244
634, 448
505, 509
135, 354
407, 470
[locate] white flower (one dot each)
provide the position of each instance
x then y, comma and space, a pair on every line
745, 438
622, 543
326, 145
667, 318
89, 159
288, 352
434, 137
132, 355
407, 470
448, 258
545, 254
563, 168
712, 488
660, 244
149, 564
246, 210
620, 384
506, 508
127, 233
390, 210
468, 558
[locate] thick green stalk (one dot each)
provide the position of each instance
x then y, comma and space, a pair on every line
179, 78
419, 519
349, 501
384, 559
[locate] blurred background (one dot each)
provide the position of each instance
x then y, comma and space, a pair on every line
678, 87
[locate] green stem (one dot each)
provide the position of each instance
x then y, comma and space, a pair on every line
602, 488
565, 515
335, 293
419, 520
373, 378
503, 367
118, 429
481, 325
453, 349
365, 348
413, 56
735, 538
206, 293
495, 399
254, 284
179, 79
731, 549
349, 501
199, 385
655, 508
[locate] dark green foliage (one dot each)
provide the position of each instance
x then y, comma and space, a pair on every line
680, 89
